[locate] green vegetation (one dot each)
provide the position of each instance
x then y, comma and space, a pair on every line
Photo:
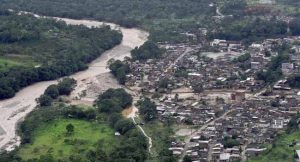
147, 109
134, 146
165, 20
45, 115
243, 61
273, 72
52, 91
149, 50
249, 30
73, 134
230, 142
294, 81
119, 69
52, 138
25, 60
45, 100
234, 7
6, 63
187, 159
288, 7
168, 21
284, 146
64, 87
161, 137
243, 58
282, 149
114, 101
181, 72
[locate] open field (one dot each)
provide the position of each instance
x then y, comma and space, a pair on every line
280, 151
12, 61
4, 63
52, 138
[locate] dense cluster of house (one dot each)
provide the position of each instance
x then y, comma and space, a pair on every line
247, 126
220, 94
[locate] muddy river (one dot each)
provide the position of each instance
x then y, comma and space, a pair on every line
15, 109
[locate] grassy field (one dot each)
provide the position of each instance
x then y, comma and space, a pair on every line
12, 61
51, 138
4, 63
280, 151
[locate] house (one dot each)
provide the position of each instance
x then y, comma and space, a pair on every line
217, 42
255, 45
287, 68
256, 65
254, 151
225, 157
277, 124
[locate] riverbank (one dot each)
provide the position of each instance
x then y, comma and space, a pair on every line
15, 109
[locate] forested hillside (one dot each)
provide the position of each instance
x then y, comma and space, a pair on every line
165, 19
33, 50
249, 30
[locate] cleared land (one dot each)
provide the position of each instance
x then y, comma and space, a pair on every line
52, 138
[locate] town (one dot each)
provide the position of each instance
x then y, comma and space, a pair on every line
150, 81
223, 111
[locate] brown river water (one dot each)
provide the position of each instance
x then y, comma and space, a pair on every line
15, 109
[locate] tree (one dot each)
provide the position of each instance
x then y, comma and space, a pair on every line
123, 126
187, 159
295, 26
147, 109
243, 58
97, 156
198, 88
229, 142
47, 158
114, 118
293, 123
164, 83
109, 106
294, 81
52, 91
119, 95
45, 100
66, 85
149, 50
21, 34
119, 70
70, 128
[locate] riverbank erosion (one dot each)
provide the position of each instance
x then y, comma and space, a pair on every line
15, 109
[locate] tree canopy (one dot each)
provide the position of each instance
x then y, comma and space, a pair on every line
119, 69
23, 39
149, 50
114, 100
147, 109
